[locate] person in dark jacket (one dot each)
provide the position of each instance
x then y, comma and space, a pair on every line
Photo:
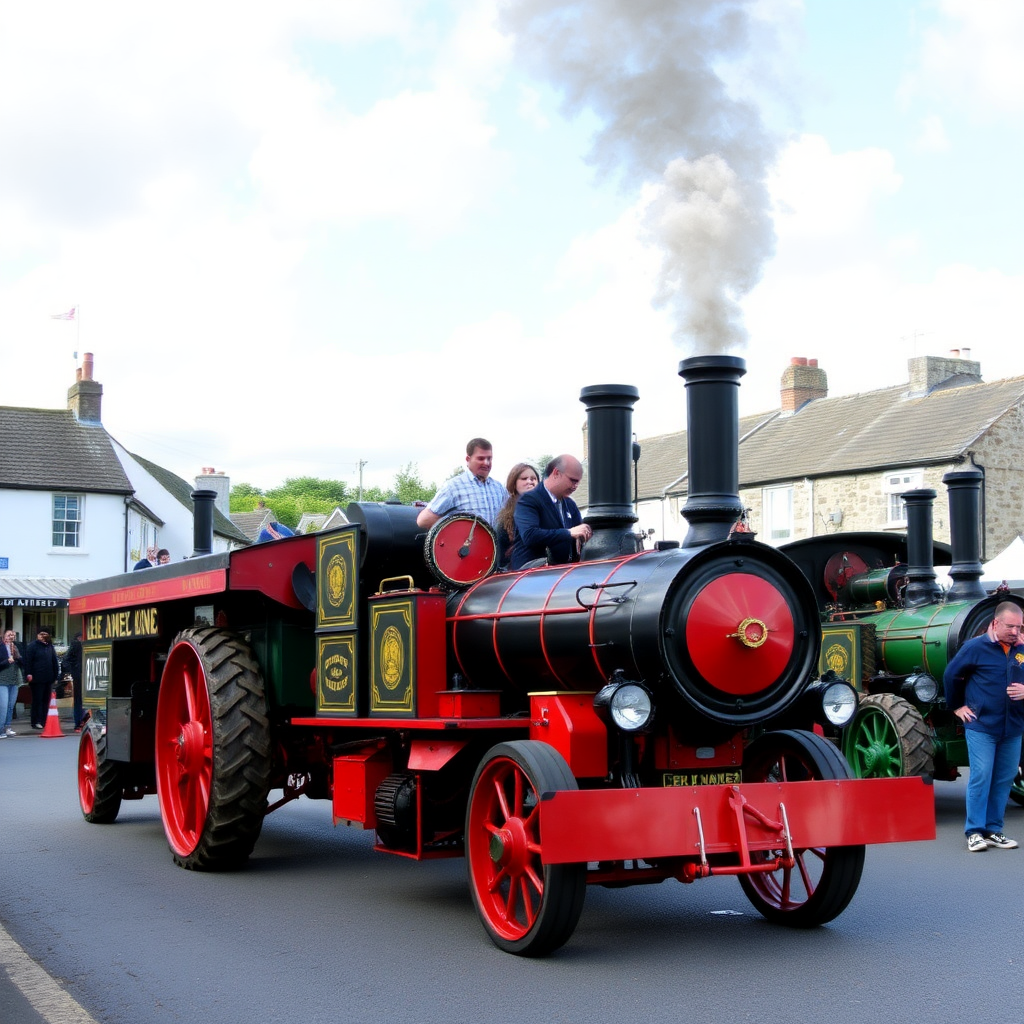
41, 673
72, 666
984, 686
548, 523
149, 561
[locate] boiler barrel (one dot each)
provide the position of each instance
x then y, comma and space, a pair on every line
730, 629
925, 639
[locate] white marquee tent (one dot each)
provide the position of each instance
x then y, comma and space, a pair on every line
1008, 565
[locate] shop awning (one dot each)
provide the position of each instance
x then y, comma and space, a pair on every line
35, 591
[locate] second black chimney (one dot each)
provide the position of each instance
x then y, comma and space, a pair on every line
712, 446
965, 536
202, 522
609, 454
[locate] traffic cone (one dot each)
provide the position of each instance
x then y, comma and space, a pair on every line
52, 728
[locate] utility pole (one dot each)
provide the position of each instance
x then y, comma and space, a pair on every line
362, 462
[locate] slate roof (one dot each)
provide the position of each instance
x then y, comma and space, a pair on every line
49, 450
182, 490
313, 522
874, 430
250, 523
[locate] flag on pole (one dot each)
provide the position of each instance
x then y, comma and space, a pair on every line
69, 315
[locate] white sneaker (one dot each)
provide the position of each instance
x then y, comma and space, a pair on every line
998, 840
11, 732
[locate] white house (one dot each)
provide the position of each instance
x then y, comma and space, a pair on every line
76, 505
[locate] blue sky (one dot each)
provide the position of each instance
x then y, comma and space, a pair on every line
369, 231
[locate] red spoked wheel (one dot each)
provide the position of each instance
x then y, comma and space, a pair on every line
99, 780
212, 750
528, 907
822, 882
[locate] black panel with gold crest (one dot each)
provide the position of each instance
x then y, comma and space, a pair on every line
337, 561
407, 655
336, 675
337, 619
848, 649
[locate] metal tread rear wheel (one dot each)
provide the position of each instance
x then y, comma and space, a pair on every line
213, 753
888, 739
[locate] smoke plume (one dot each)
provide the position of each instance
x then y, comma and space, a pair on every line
652, 71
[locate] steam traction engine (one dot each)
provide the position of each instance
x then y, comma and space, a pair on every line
890, 627
634, 717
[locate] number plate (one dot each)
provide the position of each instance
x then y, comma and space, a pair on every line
711, 777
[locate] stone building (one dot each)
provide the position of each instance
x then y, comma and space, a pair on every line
821, 464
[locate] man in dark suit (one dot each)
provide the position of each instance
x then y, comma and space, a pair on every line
41, 671
548, 523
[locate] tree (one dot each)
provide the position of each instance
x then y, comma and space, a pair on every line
410, 488
243, 497
334, 492
298, 495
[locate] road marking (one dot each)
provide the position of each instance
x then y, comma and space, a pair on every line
44, 994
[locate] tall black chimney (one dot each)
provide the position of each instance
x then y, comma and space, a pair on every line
202, 522
964, 488
609, 458
712, 446
922, 586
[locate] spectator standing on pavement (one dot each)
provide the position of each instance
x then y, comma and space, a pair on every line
41, 673
985, 688
10, 681
72, 666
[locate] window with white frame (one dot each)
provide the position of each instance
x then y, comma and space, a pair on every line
67, 520
893, 486
777, 513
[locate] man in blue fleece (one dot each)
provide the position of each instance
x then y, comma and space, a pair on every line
985, 688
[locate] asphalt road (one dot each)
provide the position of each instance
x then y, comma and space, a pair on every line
319, 928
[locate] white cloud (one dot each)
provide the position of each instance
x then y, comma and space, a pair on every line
972, 56
932, 136
819, 193
423, 156
837, 293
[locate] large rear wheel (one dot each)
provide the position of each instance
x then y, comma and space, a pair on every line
212, 750
99, 780
822, 880
528, 907
888, 739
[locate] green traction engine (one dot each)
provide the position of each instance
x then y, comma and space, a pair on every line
891, 629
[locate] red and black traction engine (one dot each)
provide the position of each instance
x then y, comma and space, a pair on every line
632, 717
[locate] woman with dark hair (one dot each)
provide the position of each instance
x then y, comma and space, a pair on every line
522, 477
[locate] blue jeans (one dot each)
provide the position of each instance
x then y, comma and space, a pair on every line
8, 698
994, 763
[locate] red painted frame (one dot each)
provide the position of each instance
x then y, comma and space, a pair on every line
643, 824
